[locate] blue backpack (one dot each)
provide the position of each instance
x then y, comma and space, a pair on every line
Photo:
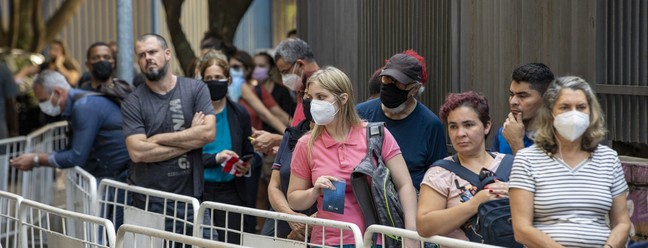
492, 223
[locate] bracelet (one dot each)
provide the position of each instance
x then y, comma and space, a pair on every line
608, 245
35, 161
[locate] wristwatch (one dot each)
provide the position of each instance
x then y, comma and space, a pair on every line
35, 161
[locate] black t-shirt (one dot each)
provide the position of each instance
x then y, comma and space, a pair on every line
149, 113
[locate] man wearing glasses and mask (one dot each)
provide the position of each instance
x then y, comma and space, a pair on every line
417, 129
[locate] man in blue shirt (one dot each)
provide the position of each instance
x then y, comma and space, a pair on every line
529, 82
96, 124
415, 127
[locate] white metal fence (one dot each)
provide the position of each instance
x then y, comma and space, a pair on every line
146, 207
10, 178
9, 219
37, 184
81, 194
257, 240
81, 191
138, 236
409, 234
42, 224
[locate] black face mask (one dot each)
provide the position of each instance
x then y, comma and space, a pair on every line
392, 96
306, 107
217, 89
102, 70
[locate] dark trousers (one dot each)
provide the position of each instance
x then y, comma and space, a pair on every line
225, 193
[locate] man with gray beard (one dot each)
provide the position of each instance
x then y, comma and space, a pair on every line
167, 121
417, 129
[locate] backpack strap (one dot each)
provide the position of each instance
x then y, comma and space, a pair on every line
504, 169
375, 136
81, 95
459, 170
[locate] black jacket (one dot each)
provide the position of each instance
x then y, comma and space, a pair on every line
240, 130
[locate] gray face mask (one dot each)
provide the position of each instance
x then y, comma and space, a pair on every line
48, 108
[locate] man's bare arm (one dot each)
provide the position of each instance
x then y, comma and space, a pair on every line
197, 136
142, 151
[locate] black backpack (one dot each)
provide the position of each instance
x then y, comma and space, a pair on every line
492, 223
374, 189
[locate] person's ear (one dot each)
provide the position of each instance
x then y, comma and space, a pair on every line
487, 128
58, 92
344, 97
167, 54
414, 90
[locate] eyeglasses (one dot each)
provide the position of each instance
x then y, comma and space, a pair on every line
390, 80
284, 72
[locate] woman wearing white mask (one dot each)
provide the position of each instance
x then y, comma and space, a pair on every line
329, 153
572, 180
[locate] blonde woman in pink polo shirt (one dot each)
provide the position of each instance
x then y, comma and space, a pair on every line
337, 143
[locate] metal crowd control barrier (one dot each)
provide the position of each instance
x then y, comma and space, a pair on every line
9, 219
10, 177
404, 233
81, 191
150, 236
146, 207
36, 184
81, 194
54, 231
257, 240
40, 185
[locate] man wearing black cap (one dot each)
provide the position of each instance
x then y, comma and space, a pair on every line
417, 129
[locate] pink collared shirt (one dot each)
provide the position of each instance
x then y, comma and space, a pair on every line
330, 158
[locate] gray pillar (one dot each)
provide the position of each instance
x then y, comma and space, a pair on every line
125, 40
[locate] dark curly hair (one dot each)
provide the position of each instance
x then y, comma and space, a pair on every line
469, 99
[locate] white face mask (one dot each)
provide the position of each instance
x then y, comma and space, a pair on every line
571, 125
48, 108
323, 112
291, 80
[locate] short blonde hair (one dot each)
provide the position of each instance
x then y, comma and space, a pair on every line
338, 83
545, 135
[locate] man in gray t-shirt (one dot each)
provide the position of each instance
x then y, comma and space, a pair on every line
167, 121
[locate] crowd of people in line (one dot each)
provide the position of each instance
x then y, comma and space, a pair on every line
289, 130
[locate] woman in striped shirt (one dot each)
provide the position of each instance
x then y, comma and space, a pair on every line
572, 180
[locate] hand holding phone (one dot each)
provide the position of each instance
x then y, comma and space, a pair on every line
237, 166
